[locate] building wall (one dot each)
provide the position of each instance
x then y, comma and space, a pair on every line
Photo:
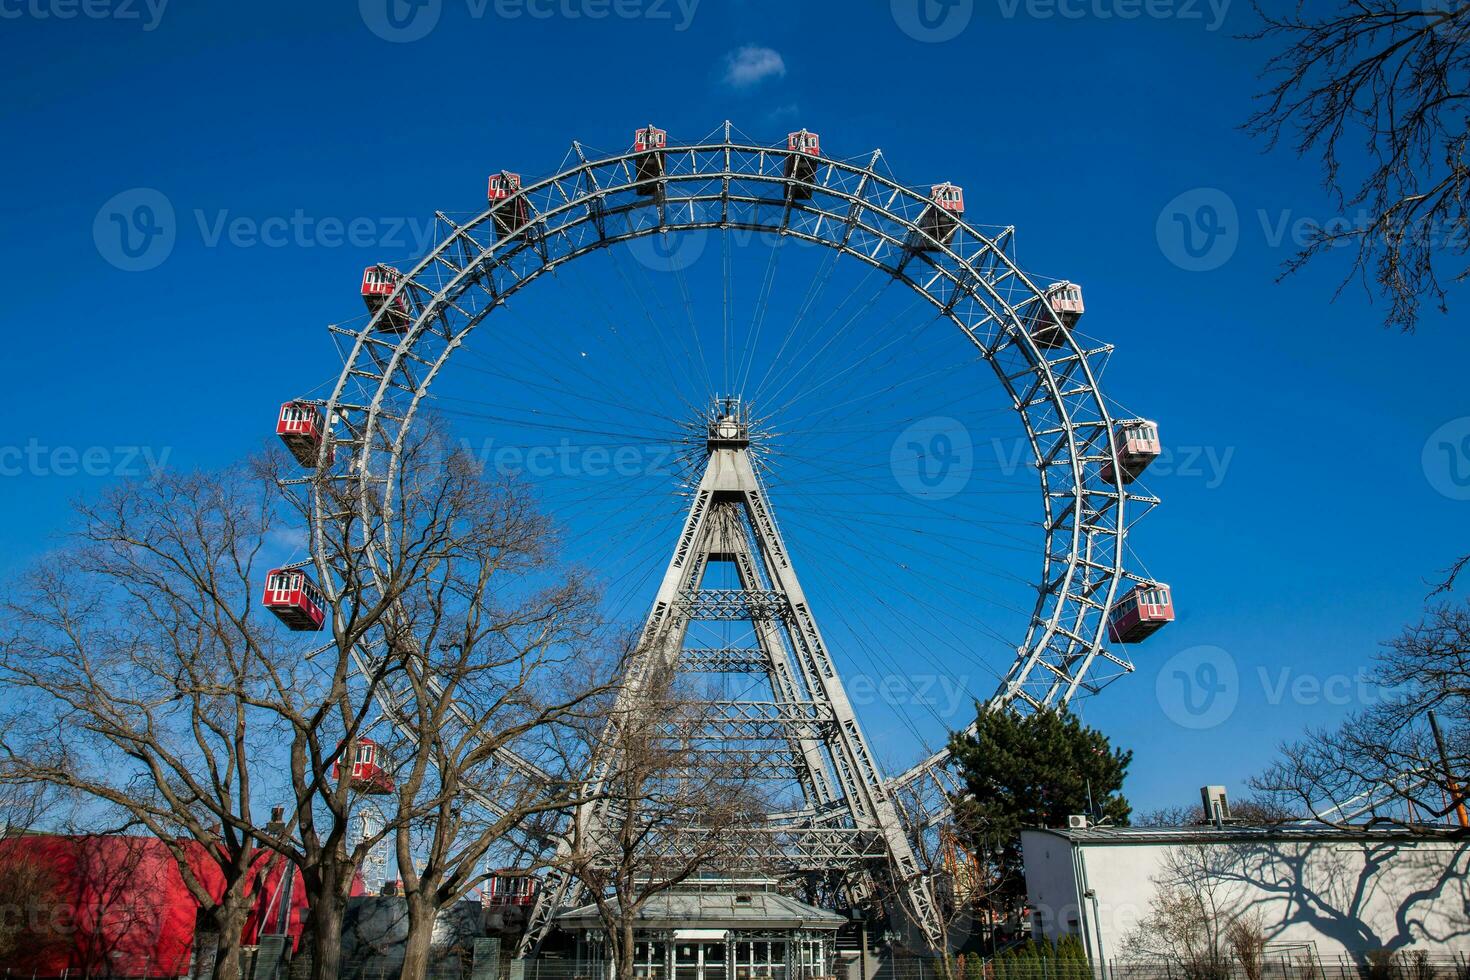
116, 905
1344, 895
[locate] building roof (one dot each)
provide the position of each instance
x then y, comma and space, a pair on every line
1238, 834
738, 909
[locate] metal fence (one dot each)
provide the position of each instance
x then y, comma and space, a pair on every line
567, 969
484, 961
1306, 964
1297, 963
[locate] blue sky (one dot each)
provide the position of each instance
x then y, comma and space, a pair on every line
295, 143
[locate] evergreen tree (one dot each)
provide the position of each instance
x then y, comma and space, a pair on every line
1031, 771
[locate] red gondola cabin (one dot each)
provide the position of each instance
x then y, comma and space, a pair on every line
506, 888
368, 774
1138, 445
295, 599
378, 283
1141, 613
507, 206
803, 150
649, 143
942, 216
300, 428
1065, 300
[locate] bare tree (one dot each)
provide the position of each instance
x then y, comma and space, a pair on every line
129, 659
30, 898
968, 891
1189, 915
142, 675
1377, 88
1246, 938
444, 620
1388, 752
501, 661
669, 808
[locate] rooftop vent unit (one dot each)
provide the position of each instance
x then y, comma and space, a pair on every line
1217, 806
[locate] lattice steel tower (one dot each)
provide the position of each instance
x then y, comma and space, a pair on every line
791, 722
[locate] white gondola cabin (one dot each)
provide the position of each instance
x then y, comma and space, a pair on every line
378, 283
649, 143
301, 428
1138, 445
940, 219
1065, 300
803, 150
507, 204
1141, 613
368, 774
295, 599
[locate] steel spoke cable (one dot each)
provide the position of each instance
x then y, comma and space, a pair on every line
596, 299
830, 336
814, 290
928, 504
939, 583
589, 426
758, 318
947, 583
564, 389
845, 612
649, 318
954, 642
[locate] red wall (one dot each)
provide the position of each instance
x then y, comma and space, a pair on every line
119, 906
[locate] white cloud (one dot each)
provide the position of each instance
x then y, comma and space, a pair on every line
751, 65
784, 113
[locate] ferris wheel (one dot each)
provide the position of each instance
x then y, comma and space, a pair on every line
718, 274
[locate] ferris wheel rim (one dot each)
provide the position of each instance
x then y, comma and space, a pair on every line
435, 300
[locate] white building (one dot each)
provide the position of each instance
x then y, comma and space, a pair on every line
1315, 889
